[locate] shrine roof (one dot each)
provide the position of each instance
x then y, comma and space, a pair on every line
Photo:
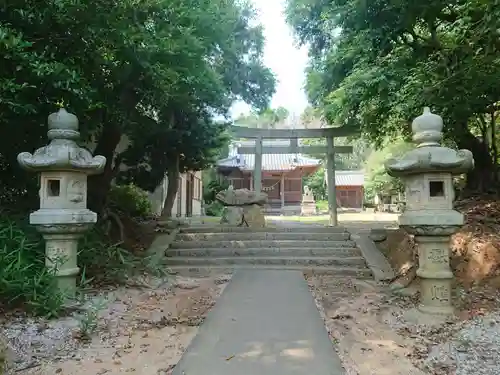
348, 178
270, 162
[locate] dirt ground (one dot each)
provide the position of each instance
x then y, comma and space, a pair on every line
370, 330
372, 321
137, 331
145, 331
475, 248
354, 313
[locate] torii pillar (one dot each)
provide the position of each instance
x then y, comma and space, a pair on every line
332, 191
257, 173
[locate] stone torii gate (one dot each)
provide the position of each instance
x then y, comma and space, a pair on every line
294, 135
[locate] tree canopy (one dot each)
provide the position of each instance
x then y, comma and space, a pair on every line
377, 179
268, 118
159, 74
375, 64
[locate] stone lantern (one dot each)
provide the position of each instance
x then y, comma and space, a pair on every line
427, 172
63, 215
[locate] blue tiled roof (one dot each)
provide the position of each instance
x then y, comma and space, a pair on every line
270, 162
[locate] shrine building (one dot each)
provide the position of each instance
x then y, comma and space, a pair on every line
282, 176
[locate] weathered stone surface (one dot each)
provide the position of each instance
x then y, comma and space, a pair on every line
377, 262
253, 216
378, 235
246, 234
232, 215
241, 197
308, 196
308, 208
63, 215
308, 204
428, 172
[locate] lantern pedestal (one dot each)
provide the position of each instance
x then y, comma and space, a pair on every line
427, 172
63, 216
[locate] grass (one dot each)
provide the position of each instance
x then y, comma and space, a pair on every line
322, 206
26, 283
24, 280
210, 220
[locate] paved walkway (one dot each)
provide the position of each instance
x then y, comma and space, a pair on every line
265, 323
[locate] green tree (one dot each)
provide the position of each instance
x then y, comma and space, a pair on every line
351, 161
375, 65
377, 180
156, 73
316, 182
268, 118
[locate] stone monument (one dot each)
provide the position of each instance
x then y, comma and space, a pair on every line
63, 215
243, 207
427, 172
308, 204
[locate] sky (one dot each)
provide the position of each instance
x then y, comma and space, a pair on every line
283, 57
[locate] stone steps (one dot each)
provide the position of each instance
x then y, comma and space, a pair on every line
294, 229
271, 260
308, 247
341, 252
269, 236
358, 272
285, 244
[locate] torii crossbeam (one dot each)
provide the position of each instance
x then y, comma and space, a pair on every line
293, 135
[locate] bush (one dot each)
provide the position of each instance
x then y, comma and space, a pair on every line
211, 189
103, 262
130, 200
368, 204
24, 279
322, 205
316, 182
214, 209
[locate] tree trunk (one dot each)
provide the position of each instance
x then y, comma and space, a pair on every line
99, 185
172, 188
480, 179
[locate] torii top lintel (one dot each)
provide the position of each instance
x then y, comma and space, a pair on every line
244, 132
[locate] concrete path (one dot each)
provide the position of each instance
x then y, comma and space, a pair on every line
265, 323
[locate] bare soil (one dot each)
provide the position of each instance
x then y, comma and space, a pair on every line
475, 248
138, 331
369, 328
368, 323
355, 316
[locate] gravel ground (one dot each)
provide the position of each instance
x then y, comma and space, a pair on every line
140, 330
474, 349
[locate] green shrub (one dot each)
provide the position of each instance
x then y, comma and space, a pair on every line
24, 279
25, 282
214, 209
211, 189
130, 200
322, 205
368, 204
103, 262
